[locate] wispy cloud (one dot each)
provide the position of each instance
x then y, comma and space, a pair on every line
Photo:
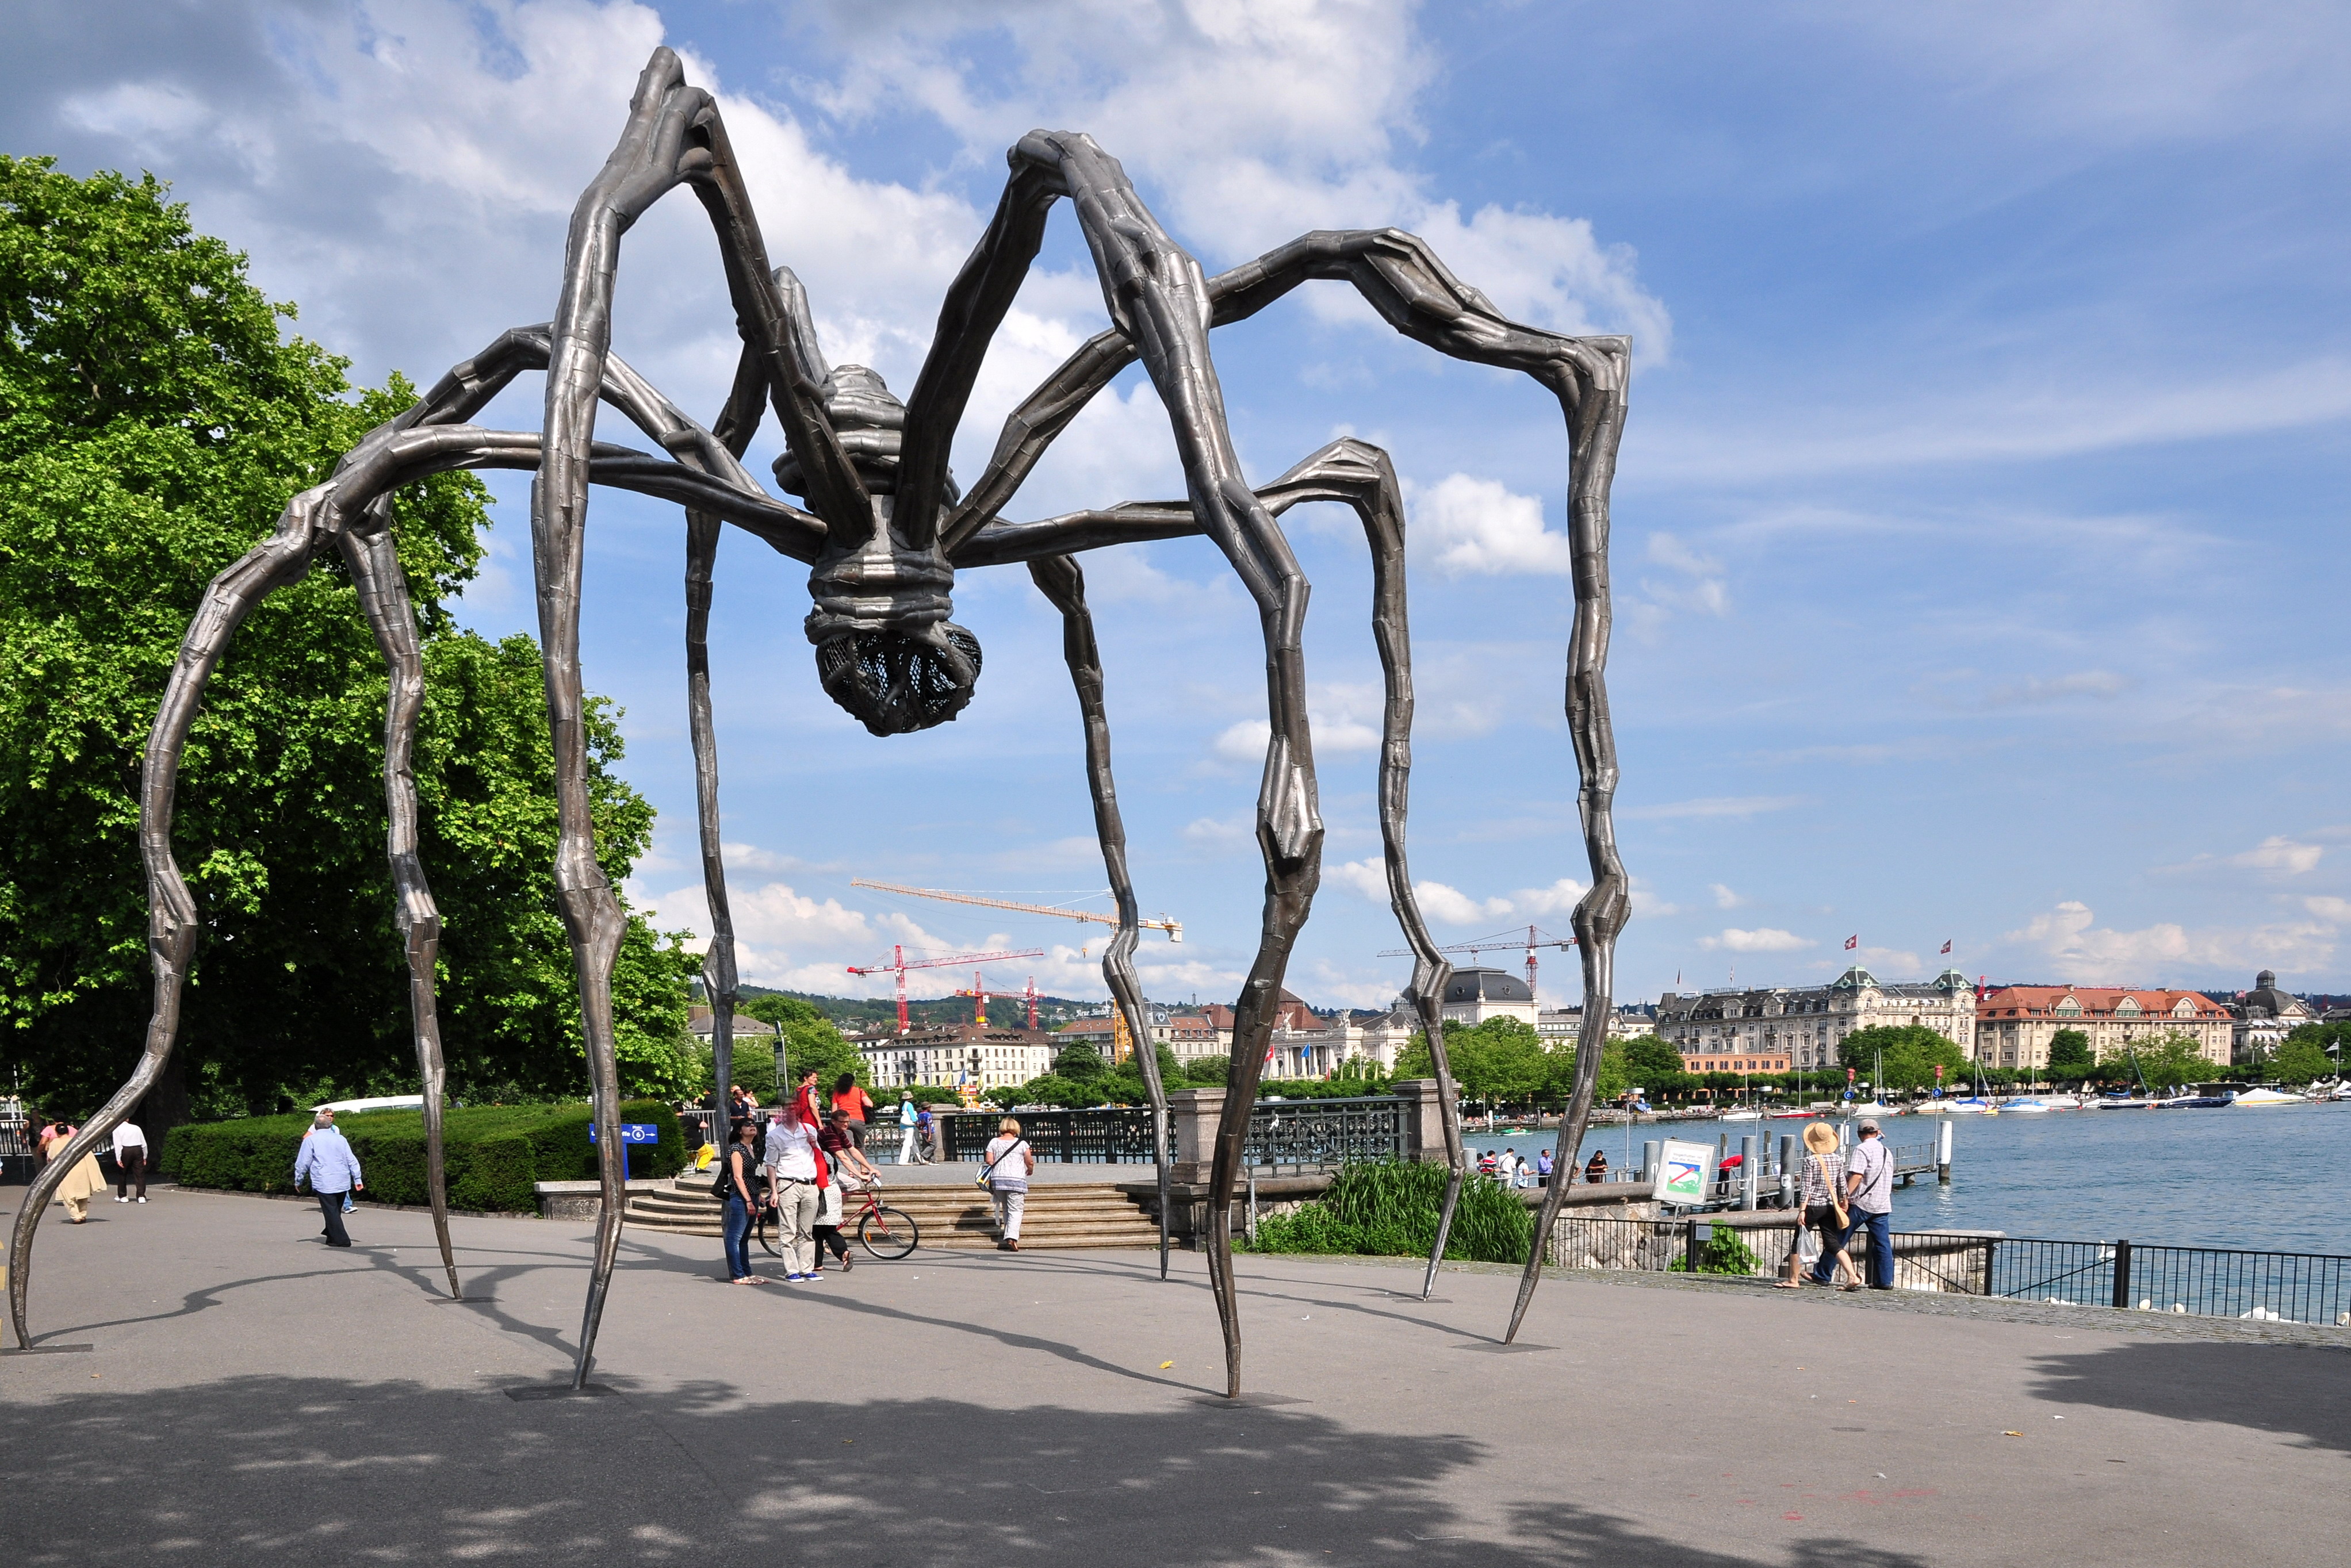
1764, 939
1713, 806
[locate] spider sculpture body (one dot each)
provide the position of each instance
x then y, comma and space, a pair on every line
883, 532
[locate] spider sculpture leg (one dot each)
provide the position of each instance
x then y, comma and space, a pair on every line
1361, 476
1157, 294
1060, 580
374, 563
1412, 289
674, 137
735, 424
428, 437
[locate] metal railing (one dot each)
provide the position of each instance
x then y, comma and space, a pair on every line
1319, 1133
2194, 1281
1103, 1136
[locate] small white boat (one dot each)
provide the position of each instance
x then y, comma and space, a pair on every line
1974, 1105
2026, 1107
1869, 1108
2268, 1097
1727, 1116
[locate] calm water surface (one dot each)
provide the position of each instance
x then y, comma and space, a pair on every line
2268, 1180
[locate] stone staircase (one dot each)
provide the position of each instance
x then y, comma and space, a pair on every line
1060, 1215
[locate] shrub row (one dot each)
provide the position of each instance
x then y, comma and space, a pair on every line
1388, 1208
492, 1155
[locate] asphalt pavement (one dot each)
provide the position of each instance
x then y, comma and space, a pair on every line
250, 1397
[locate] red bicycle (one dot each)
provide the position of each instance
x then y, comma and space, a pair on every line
887, 1233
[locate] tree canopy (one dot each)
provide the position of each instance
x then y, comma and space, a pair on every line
2069, 1054
153, 423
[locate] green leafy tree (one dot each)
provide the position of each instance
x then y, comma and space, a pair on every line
2301, 1061
153, 423
2069, 1055
810, 1039
1080, 1061
1911, 1052
2328, 1038
1208, 1073
2166, 1060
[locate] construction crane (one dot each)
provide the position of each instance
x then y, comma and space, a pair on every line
1174, 928
980, 991
899, 964
1535, 937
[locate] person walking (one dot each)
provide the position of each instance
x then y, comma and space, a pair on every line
1009, 1163
907, 1116
131, 1161
82, 1183
739, 1180
848, 1098
1869, 1194
333, 1172
796, 1181
1823, 1208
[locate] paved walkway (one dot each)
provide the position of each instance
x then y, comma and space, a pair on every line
253, 1397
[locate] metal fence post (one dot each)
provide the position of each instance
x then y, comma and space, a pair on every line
1690, 1249
1252, 1209
2122, 1275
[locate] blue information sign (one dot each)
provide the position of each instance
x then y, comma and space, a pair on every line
630, 1132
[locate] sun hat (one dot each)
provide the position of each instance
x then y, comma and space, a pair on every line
1820, 1137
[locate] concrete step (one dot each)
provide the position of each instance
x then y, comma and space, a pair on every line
1062, 1215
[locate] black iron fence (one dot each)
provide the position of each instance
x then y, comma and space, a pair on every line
2195, 1281
1317, 1133
1104, 1136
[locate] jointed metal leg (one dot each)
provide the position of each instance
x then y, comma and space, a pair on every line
171, 921
1157, 297
1060, 579
374, 563
1359, 474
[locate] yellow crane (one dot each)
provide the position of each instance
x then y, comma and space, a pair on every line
1174, 928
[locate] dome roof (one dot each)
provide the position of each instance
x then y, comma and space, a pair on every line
1486, 984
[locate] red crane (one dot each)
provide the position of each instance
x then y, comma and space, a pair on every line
981, 990
1535, 937
899, 964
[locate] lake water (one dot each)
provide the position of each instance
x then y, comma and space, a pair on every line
2266, 1180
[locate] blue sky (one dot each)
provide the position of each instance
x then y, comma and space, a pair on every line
1979, 515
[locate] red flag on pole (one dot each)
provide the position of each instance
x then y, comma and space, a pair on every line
1852, 941
1947, 946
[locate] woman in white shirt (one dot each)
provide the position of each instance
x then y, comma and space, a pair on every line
1010, 1163
792, 1157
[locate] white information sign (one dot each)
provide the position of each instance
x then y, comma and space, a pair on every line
1686, 1173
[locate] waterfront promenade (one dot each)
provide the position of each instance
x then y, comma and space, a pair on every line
252, 1398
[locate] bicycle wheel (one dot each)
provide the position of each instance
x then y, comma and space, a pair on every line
765, 1229
887, 1232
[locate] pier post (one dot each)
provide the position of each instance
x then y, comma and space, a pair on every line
1943, 1153
1749, 1176
1787, 1170
1652, 1150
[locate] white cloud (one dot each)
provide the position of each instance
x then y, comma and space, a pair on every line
1558, 899
1447, 905
1464, 525
1294, 117
2069, 933
1712, 806
2327, 907
1220, 837
1243, 742
1767, 939
1723, 897
2279, 854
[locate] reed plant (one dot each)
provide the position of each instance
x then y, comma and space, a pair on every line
1389, 1208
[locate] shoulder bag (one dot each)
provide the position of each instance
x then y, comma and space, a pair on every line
1017, 1144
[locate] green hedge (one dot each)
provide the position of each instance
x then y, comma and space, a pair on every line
1388, 1208
493, 1154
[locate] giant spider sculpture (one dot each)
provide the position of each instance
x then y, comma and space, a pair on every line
884, 532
